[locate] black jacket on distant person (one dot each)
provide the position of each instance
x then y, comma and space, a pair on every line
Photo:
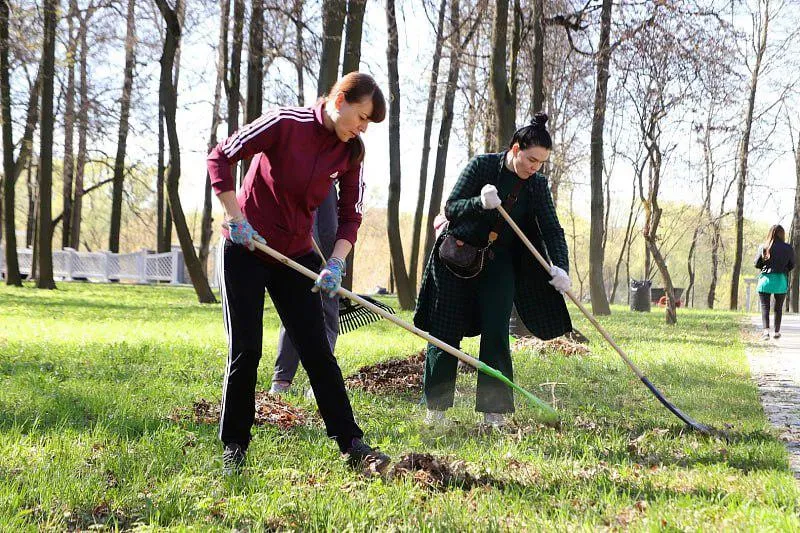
781, 259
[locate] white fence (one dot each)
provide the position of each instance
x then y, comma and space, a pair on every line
139, 267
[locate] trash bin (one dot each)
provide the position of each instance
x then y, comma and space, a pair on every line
640, 295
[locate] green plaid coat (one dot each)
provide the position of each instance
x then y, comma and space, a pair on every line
446, 305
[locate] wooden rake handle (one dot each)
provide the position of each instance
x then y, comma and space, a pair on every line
571, 296
461, 356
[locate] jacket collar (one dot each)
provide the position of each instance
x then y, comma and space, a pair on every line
319, 118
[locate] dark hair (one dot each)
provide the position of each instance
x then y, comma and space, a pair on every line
357, 87
533, 134
776, 233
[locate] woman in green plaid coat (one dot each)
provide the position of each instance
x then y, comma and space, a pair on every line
450, 307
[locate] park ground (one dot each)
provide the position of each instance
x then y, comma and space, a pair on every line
96, 381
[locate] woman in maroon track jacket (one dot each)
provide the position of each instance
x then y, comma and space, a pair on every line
297, 152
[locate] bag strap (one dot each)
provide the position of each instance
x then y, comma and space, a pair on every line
509, 202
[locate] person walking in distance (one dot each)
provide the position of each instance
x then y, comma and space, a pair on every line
775, 259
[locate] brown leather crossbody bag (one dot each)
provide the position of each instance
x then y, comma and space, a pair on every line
465, 260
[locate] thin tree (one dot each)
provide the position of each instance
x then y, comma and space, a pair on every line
299, 57
350, 63
795, 230
333, 15
504, 105
122, 135
353, 33
232, 87
597, 288
404, 293
456, 44
255, 61
426, 148
9, 176
537, 17
168, 98
83, 127
744, 149
45, 241
205, 225
68, 172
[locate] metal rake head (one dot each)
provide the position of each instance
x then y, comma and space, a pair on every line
352, 315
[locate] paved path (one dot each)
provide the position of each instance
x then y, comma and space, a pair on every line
775, 365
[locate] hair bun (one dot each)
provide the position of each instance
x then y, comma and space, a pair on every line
539, 120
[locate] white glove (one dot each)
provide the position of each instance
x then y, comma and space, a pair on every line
489, 198
560, 279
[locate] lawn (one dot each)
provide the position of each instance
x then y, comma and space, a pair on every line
91, 374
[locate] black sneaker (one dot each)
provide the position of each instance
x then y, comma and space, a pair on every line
362, 455
232, 459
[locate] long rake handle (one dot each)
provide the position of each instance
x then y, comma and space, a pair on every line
571, 296
549, 412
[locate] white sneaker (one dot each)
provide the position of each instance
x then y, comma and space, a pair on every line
435, 418
777, 335
496, 420
279, 387
765, 335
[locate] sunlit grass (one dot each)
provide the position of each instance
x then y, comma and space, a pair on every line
90, 373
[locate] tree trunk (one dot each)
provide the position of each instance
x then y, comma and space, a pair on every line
795, 235
446, 126
671, 316
653, 218
538, 55
404, 293
690, 264
353, 33
122, 136
255, 58
351, 63
168, 100
472, 114
68, 172
299, 60
33, 206
626, 243
206, 230
255, 68
161, 214
504, 106
333, 13
426, 148
83, 128
11, 169
596, 253
232, 87
744, 151
45, 238
516, 40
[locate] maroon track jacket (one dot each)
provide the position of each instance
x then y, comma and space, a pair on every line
295, 160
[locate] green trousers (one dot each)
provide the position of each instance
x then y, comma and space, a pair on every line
495, 298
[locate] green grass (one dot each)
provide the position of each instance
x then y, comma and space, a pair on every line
89, 375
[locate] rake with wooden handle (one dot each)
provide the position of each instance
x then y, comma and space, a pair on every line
352, 315
708, 430
548, 414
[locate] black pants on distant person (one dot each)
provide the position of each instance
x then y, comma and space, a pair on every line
244, 278
765, 301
